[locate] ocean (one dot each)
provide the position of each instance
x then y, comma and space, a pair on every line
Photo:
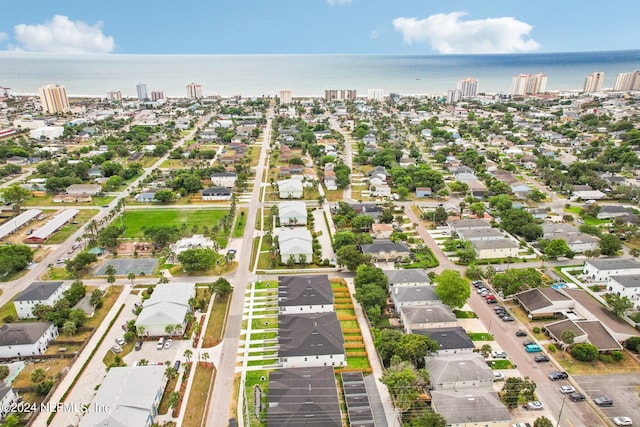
304, 75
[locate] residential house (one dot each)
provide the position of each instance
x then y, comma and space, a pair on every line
45, 293
381, 231
224, 179
292, 213
384, 250
290, 189
407, 277
477, 189
305, 294
166, 310
216, 194
612, 211
128, 396
26, 338
295, 243
626, 286
581, 242
303, 396
425, 317
453, 340
70, 198
8, 397
82, 189
544, 302
330, 180
470, 408
379, 188
146, 197
378, 172
500, 248
95, 172
412, 296
423, 192
312, 339
460, 371
585, 331
468, 224
588, 195
370, 209
599, 270
474, 234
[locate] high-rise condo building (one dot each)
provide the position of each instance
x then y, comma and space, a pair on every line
593, 82
377, 94
54, 99
194, 91
528, 84
339, 95
285, 97
114, 95
141, 89
468, 87
627, 81
157, 95
453, 96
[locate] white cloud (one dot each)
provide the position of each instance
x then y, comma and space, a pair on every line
63, 36
447, 33
3, 36
338, 2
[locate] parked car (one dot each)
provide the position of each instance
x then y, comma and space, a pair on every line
120, 341
498, 376
622, 421
167, 343
603, 401
492, 300
533, 348
176, 365
566, 389
116, 349
507, 318
541, 358
577, 397
534, 405
137, 346
521, 333
558, 375
526, 343
499, 354
160, 344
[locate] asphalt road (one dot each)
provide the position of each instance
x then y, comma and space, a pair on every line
220, 400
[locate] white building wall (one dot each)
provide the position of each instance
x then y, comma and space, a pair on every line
306, 309
497, 253
38, 347
602, 276
312, 361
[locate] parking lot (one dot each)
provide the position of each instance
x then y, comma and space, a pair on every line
622, 388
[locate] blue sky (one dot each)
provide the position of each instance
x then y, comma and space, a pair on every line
319, 26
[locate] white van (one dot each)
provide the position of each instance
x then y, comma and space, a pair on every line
589, 202
160, 344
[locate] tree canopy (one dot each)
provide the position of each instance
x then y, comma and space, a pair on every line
452, 289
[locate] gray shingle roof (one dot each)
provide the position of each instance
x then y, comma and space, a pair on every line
383, 245
38, 291
473, 406
435, 313
304, 290
22, 333
459, 367
627, 281
309, 334
303, 397
448, 338
412, 275
494, 244
417, 294
614, 264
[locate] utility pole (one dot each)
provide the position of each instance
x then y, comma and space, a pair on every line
560, 414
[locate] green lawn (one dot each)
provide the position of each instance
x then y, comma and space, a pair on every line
465, 314
480, 336
358, 362
241, 222
134, 220
500, 364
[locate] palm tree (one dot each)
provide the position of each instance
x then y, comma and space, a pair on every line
143, 362
205, 356
174, 399
131, 276
187, 355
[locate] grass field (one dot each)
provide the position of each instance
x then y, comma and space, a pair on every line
197, 404
241, 222
213, 332
134, 220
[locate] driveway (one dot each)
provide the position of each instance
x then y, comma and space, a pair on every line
319, 224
